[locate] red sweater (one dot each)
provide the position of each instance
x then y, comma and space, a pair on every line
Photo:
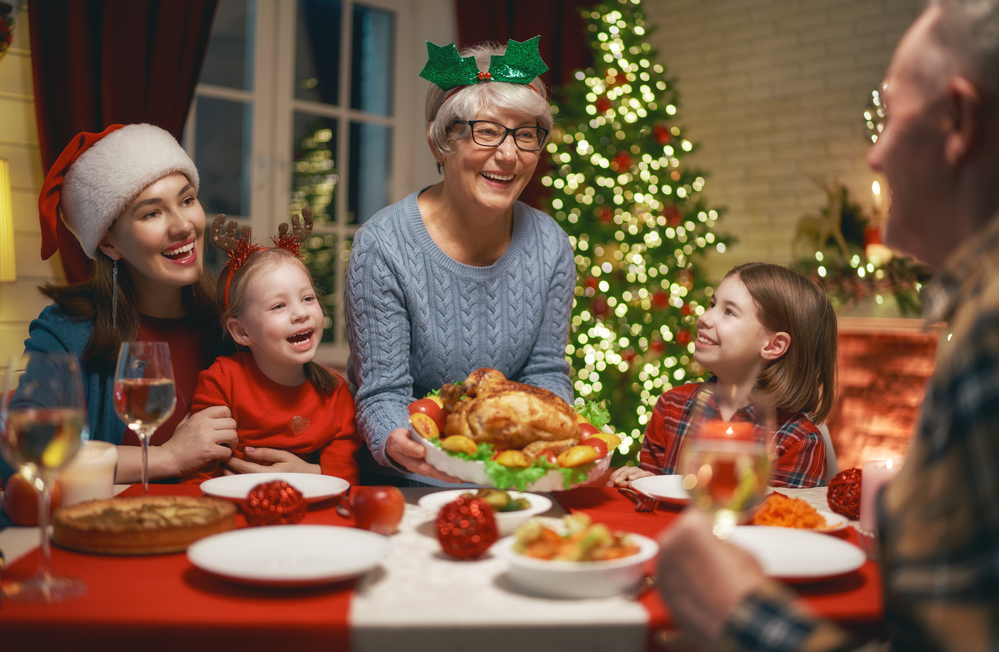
315, 426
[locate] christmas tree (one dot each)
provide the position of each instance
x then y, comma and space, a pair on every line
635, 216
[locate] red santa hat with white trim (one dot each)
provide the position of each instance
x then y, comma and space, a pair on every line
98, 175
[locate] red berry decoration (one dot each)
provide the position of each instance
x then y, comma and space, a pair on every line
274, 503
466, 527
844, 493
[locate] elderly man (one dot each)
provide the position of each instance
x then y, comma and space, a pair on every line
939, 520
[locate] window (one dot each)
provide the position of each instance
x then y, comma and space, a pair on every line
298, 105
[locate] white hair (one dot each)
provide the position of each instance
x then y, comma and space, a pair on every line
969, 30
443, 109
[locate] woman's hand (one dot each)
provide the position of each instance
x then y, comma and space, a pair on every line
274, 460
200, 438
624, 476
408, 453
702, 578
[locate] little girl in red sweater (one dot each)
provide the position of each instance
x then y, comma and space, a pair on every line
291, 413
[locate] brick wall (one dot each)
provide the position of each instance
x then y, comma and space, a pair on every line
773, 92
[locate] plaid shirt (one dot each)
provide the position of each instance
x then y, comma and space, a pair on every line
801, 452
939, 518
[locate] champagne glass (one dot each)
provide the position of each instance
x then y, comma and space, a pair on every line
42, 421
726, 463
144, 395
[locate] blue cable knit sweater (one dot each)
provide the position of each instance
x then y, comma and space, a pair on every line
417, 318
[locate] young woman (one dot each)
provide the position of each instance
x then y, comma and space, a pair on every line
280, 398
460, 276
770, 328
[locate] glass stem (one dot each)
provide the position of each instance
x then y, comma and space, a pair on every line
144, 438
44, 494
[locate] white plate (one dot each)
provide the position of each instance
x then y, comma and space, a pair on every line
667, 488
796, 555
289, 555
506, 522
475, 471
834, 522
577, 579
314, 487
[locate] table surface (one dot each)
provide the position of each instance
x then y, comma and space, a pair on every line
420, 599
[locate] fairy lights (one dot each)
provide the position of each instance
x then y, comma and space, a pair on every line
635, 216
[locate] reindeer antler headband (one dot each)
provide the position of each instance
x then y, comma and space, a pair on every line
239, 247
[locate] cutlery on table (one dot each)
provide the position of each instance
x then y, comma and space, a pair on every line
642, 502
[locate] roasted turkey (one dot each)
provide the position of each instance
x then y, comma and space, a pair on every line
488, 408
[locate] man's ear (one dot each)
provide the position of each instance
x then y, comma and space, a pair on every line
777, 345
964, 120
109, 249
238, 333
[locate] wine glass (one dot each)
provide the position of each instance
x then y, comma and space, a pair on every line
42, 423
726, 463
144, 395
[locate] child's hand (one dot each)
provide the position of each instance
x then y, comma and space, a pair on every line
270, 460
624, 476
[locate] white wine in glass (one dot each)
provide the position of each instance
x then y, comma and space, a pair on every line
726, 463
42, 421
144, 395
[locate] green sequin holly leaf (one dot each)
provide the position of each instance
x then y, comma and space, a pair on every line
447, 69
520, 64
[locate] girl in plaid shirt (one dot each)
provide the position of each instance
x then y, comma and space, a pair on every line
768, 327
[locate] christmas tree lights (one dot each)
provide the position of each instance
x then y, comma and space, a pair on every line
635, 216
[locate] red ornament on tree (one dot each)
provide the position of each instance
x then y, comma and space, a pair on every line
466, 527
683, 338
685, 309
603, 104
628, 355
660, 300
662, 134
605, 215
673, 216
591, 282
274, 503
622, 162
600, 306
657, 346
844, 493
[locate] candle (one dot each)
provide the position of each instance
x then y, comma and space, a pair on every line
876, 475
90, 475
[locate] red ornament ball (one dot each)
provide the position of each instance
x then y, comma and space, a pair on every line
660, 300
591, 282
685, 309
274, 503
662, 134
844, 493
603, 104
628, 355
466, 527
600, 307
622, 161
605, 215
657, 346
673, 216
683, 338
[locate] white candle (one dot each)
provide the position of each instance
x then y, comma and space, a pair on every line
90, 475
876, 474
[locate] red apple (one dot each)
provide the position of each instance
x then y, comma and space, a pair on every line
432, 407
20, 502
378, 509
599, 444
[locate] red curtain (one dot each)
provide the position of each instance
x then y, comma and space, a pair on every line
101, 62
563, 46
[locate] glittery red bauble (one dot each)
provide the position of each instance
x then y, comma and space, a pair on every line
600, 306
662, 134
605, 215
685, 309
466, 527
660, 300
844, 493
622, 161
673, 216
603, 104
683, 338
274, 503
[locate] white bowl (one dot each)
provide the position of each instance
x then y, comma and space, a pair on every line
506, 522
577, 579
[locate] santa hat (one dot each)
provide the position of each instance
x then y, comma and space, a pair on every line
98, 175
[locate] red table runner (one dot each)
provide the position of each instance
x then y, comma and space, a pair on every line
853, 600
162, 602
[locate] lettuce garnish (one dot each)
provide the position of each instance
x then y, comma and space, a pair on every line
507, 477
593, 412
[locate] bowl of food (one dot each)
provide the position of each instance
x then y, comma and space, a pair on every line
496, 432
780, 510
582, 560
511, 509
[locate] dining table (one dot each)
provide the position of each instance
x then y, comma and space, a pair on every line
417, 598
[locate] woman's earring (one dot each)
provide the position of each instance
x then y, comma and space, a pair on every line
114, 294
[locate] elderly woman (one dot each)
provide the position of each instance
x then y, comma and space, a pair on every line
461, 275
130, 196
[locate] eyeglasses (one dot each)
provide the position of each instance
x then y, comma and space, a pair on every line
492, 134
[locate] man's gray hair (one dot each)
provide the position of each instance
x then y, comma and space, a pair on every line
969, 29
466, 103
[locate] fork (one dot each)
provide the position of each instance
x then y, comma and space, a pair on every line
642, 502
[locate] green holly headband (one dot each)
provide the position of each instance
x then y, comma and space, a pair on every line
520, 64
